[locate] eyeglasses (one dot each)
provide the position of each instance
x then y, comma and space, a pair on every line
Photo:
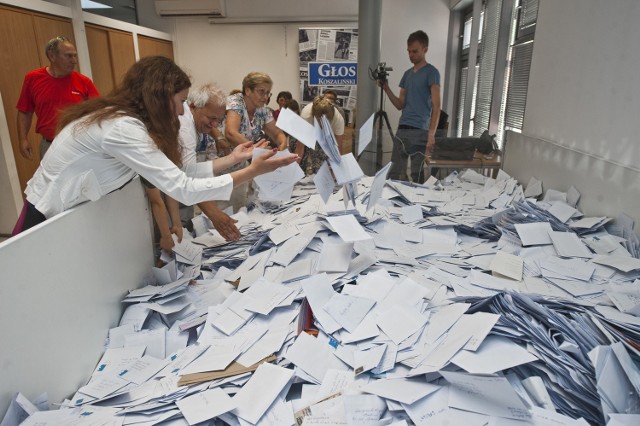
263, 93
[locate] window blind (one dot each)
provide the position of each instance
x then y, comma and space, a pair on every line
518, 85
461, 96
529, 14
487, 65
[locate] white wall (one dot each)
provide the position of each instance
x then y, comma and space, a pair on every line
226, 53
62, 286
584, 84
582, 100
607, 189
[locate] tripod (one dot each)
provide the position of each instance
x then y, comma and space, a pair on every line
379, 116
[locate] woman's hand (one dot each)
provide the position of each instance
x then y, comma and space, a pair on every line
177, 230
265, 164
166, 243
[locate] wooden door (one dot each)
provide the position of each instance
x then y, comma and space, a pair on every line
98, 42
23, 35
122, 53
148, 46
111, 53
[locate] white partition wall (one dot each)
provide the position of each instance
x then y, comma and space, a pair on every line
61, 284
583, 85
608, 188
580, 125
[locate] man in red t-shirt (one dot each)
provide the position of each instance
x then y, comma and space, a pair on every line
46, 91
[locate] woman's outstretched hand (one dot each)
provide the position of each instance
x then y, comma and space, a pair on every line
244, 151
262, 164
265, 163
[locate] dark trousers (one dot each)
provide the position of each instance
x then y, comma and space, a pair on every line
29, 217
409, 146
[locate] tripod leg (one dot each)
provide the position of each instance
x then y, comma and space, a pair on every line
378, 118
393, 137
386, 120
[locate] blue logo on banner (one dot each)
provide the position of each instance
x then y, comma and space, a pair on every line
333, 73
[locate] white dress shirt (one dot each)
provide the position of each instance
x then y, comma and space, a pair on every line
86, 163
189, 137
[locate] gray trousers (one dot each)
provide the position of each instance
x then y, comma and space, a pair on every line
44, 147
409, 144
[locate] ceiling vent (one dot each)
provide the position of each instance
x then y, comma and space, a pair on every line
213, 8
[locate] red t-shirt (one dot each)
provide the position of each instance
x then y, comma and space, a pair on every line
47, 96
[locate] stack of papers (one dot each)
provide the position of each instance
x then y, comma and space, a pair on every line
453, 302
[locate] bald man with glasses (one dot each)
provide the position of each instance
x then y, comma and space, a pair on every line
48, 90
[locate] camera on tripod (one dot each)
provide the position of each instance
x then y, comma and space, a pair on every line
381, 72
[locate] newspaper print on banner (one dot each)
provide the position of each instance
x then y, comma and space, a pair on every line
335, 46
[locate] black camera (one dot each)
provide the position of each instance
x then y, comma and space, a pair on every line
381, 72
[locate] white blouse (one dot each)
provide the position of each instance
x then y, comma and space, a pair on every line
85, 163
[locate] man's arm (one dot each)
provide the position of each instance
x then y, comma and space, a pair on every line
224, 224
397, 101
435, 116
24, 124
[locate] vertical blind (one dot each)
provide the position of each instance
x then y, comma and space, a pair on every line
513, 98
463, 89
529, 15
518, 85
473, 102
487, 65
